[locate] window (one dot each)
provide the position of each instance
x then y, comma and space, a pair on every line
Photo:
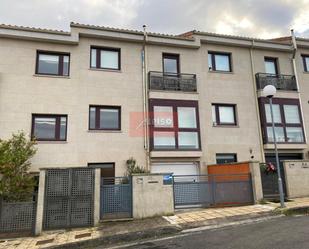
218, 61
104, 118
271, 65
175, 125
107, 169
105, 58
52, 63
224, 114
306, 62
171, 63
287, 119
46, 127
226, 158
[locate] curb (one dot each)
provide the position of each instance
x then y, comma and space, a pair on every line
294, 210
127, 237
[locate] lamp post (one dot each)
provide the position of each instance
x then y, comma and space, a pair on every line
269, 91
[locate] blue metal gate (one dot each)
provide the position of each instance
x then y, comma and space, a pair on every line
212, 190
116, 197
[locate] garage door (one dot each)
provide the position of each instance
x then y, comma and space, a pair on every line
176, 168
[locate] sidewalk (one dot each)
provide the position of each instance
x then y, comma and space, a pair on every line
210, 216
124, 231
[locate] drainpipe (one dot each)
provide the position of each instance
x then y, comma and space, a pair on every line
256, 102
294, 47
145, 98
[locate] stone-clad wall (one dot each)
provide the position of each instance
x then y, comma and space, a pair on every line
297, 178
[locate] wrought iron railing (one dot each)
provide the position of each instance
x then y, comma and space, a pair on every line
280, 81
172, 82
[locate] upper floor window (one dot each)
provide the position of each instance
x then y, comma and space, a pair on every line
224, 114
47, 127
175, 125
218, 61
52, 63
222, 158
271, 65
306, 62
287, 119
171, 63
105, 58
104, 118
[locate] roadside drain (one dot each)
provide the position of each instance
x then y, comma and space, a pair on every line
43, 242
83, 235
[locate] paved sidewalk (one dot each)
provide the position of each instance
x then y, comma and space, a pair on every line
211, 215
105, 230
111, 232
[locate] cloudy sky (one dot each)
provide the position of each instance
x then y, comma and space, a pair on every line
257, 18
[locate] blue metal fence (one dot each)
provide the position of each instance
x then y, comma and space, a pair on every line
212, 190
16, 217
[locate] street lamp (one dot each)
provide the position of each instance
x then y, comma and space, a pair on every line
269, 91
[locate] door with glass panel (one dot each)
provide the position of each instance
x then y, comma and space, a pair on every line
271, 66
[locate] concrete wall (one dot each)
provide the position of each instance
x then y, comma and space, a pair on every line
23, 93
256, 181
151, 197
297, 178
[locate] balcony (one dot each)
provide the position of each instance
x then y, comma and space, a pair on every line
172, 82
280, 81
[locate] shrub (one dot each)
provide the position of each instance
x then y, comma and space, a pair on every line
134, 168
16, 184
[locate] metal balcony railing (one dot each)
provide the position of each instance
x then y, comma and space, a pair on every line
280, 81
172, 82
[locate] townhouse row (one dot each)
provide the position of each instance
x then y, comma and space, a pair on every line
96, 96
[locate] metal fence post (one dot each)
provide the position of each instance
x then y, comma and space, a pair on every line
131, 186
213, 181
174, 197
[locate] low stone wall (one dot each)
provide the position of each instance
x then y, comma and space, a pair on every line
151, 197
297, 178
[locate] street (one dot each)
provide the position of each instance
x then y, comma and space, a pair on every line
283, 233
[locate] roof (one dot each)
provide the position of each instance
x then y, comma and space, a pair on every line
128, 31
41, 30
187, 36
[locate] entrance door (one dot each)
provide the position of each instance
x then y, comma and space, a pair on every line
270, 180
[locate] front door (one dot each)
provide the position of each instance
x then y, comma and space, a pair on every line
270, 180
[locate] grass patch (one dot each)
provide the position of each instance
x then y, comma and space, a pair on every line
296, 211
263, 201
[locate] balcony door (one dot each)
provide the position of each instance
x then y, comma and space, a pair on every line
171, 64
271, 66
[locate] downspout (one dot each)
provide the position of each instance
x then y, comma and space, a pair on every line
294, 46
145, 99
256, 102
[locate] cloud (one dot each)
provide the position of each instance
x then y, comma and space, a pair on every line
258, 18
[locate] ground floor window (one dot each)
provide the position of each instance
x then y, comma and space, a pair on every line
107, 170
49, 127
222, 158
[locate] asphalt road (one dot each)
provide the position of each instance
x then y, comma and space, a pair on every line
278, 233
